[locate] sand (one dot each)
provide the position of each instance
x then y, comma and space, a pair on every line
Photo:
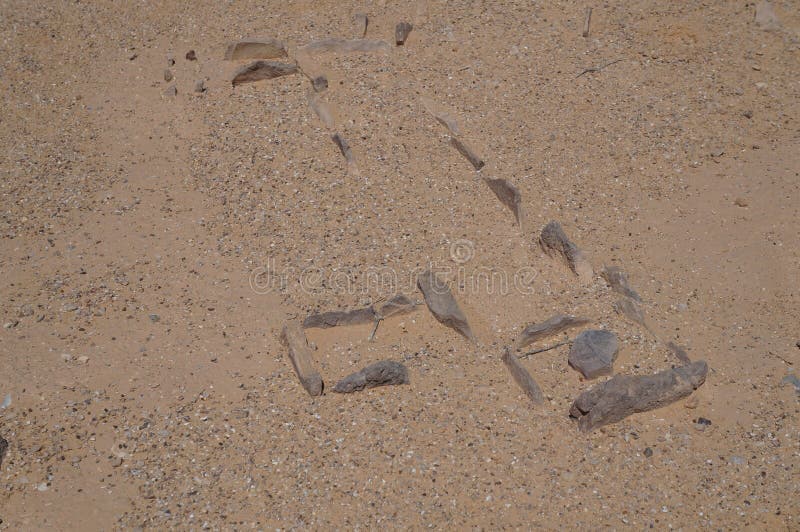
152, 246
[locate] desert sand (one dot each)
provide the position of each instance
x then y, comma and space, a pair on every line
157, 229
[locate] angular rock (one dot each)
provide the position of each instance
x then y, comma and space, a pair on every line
467, 152
401, 32
260, 70
396, 306
553, 241
522, 377
618, 282
765, 17
338, 45
344, 147
630, 309
3, 449
326, 320
295, 340
442, 304
191, 55
200, 86
509, 196
383, 373
550, 327
593, 353
265, 48
171, 91
360, 22
679, 352
623, 395
321, 109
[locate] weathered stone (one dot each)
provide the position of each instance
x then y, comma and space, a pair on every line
630, 309
344, 147
3, 449
442, 304
623, 395
522, 377
338, 318
618, 282
360, 23
553, 241
295, 340
264, 48
171, 91
593, 353
260, 70
383, 373
401, 32
200, 86
509, 196
191, 55
679, 352
395, 306
168, 75
338, 45
467, 152
765, 17
550, 327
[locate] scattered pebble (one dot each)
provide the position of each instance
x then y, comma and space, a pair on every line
154, 318
648, 452
191, 55
168, 75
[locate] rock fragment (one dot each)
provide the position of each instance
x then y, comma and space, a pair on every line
467, 152
383, 373
168, 75
397, 305
618, 282
191, 55
630, 309
509, 196
623, 395
550, 327
344, 147
522, 377
326, 320
679, 352
171, 91
339, 45
295, 341
3, 449
765, 17
593, 353
360, 23
260, 70
200, 86
553, 241
256, 48
442, 304
401, 32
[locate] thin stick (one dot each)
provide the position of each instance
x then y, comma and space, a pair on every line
588, 21
375, 329
543, 349
597, 69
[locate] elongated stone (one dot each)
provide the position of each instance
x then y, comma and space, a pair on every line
553, 241
383, 373
260, 70
442, 304
522, 377
257, 48
295, 341
550, 327
623, 395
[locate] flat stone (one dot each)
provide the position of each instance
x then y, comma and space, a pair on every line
261, 48
260, 70
593, 353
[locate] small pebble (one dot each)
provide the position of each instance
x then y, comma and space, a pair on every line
191, 55
740, 202
83, 359
703, 421
154, 318
172, 90
648, 452
168, 75
200, 86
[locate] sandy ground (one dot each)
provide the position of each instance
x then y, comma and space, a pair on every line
151, 246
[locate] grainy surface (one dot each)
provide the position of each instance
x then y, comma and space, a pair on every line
216, 211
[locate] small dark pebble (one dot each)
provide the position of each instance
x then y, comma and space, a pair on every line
703, 421
191, 55
748, 114
648, 452
154, 317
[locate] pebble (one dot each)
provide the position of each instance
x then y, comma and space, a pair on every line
191, 55
740, 202
648, 452
168, 75
748, 114
199, 86
154, 318
83, 359
42, 487
10, 324
172, 90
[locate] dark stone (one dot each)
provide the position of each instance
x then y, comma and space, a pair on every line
260, 70
522, 377
593, 353
383, 373
468, 153
3, 449
509, 196
648, 452
623, 395
401, 32
550, 327
553, 241
442, 304
191, 55
703, 421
